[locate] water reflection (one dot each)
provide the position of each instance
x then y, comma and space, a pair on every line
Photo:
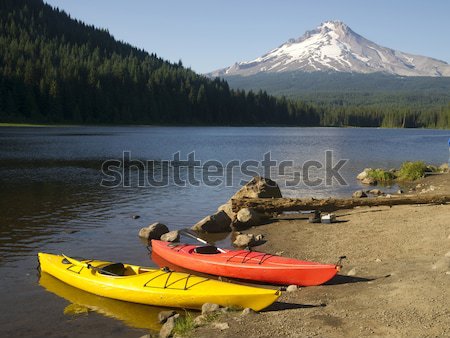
135, 315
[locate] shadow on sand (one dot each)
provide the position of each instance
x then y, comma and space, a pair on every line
280, 306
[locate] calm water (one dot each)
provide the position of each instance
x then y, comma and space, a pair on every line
51, 200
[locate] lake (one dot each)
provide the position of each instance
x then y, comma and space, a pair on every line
52, 199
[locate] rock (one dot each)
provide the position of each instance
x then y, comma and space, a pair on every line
209, 308
292, 288
164, 315
153, 231
221, 326
362, 175
369, 181
171, 236
249, 217
432, 188
359, 194
136, 216
225, 309
352, 272
167, 328
378, 260
375, 192
227, 208
280, 253
247, 311
258, 187
443, 168
259, 238
388, 196
219, 222
200, 320
244, 240
400, 191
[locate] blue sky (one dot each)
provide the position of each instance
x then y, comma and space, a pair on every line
207, 34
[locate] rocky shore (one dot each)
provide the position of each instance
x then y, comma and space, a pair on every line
395, 281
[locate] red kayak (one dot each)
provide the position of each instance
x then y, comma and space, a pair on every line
244, 264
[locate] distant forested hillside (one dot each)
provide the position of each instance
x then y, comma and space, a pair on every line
361, 99
58, 70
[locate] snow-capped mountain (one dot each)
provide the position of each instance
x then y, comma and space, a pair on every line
334, 47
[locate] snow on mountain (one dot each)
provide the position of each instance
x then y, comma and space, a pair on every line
334, 47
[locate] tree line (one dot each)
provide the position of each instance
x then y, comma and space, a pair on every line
55, 69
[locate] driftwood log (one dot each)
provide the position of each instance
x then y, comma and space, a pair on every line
269, 205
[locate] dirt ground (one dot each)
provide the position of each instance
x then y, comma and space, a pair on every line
395, 281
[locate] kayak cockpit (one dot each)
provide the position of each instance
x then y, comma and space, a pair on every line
121, 270
116, 269
206, 250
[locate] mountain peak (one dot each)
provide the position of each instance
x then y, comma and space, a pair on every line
334, 46
332, 24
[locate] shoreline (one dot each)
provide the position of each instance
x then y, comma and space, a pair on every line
50, 125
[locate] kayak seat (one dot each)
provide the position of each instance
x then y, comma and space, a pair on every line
208, 249
114, 268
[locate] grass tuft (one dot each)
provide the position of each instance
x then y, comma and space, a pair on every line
381, 175
184, 324
411, 171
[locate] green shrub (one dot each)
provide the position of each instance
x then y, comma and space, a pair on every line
381, 175
410, 171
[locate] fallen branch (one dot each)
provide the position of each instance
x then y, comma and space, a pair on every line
332, 204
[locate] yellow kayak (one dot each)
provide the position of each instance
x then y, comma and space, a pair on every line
152, 286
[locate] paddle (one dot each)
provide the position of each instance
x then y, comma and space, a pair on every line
187, 233
87, 266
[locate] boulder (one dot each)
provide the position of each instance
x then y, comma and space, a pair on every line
362, 175
153, 231
244, 240
219, 222
227, 208
171, 236
259, 187
208, 308
359, 194
167, 328
200, 320
248, 216
292, 288
369, 181
164, 315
